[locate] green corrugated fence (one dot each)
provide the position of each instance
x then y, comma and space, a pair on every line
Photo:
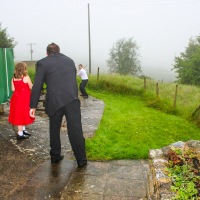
6, 73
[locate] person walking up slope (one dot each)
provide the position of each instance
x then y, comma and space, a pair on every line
84, 77
58, 72
19, 103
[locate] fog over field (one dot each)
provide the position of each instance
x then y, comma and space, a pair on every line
161, 29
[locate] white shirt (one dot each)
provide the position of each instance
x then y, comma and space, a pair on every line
82, 73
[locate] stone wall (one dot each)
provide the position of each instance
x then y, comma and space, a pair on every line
158, 182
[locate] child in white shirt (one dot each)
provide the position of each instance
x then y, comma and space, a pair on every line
84, 77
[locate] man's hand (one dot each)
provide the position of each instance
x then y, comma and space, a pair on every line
32, 112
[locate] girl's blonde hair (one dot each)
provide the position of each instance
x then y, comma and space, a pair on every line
20, 70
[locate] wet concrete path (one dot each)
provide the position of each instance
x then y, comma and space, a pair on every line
26, 172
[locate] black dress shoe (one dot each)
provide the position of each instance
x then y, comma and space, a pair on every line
21, 137
56, 159
25, 132
82, 164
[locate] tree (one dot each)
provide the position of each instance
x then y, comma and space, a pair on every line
187, 65
5, 40
124, 57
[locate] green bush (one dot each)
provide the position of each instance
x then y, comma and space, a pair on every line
31, 72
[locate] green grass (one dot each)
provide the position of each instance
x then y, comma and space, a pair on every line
136, 120
129, 129
188, 97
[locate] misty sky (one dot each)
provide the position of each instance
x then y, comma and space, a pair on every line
161, 29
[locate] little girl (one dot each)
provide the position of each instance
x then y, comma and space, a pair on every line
19, 103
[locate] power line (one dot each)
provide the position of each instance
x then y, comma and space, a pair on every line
31, 48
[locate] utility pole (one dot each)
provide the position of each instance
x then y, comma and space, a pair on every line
31, 48
89, 38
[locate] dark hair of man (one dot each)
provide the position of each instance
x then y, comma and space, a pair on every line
53, 48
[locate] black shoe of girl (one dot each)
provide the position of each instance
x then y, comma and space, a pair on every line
21, 137
25, 132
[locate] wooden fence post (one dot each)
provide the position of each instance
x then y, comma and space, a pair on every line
145, 84
175, 97
98, 74
157, 90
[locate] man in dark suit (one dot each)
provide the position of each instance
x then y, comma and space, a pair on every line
58, 72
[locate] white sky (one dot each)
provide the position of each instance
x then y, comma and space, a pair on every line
161, 29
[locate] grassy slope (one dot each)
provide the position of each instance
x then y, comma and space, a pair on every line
129, 129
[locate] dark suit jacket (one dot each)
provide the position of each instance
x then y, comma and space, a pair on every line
59, 73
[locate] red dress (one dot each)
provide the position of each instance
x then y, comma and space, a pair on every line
19, 104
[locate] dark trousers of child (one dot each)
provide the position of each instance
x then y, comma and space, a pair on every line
82, 87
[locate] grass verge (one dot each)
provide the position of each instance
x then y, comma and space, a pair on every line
129, 129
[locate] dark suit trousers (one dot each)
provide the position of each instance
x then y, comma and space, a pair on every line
74, 126
82, 87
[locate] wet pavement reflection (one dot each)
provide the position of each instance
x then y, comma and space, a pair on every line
27, 173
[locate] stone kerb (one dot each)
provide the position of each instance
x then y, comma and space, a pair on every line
158, 183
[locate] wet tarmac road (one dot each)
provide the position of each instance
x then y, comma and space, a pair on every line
26, 171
